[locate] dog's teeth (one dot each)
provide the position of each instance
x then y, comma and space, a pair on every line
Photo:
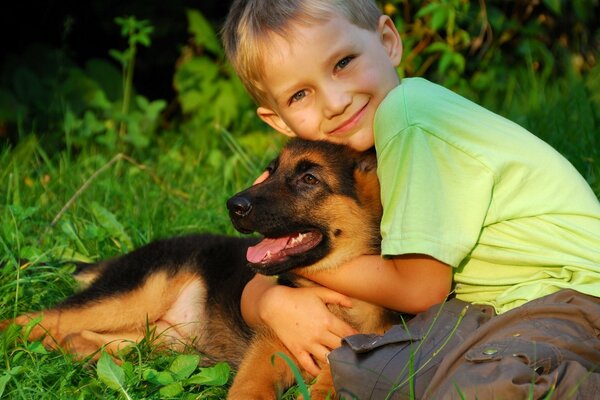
298, 239
268, 255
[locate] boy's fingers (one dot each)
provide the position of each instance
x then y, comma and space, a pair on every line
341, 329
308, 364
321, 354
333, 341
332, 297
263, 177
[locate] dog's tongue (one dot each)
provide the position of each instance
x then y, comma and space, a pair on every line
266, 247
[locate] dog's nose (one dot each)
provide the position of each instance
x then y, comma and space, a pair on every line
239, 205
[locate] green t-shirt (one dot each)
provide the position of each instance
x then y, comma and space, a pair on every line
511, 215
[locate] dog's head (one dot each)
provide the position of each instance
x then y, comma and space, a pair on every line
319, 207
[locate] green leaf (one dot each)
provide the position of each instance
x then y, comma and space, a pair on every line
155, 108
225, 104
171, 390
110, 373
445, 61
217, 375
158, 377
5, 378
183, 365
3, 381
16, 371
439, 18
120, 56
144, 40
129, 370
459, 61
134, 134
203, 33
553, 5
32, 253
108, 77
150, 109
31, 324
437, 47
428, 9
110, 223
67, 253
142, 102
37, 347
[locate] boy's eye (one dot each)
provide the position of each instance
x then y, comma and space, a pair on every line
343, 63
298, 96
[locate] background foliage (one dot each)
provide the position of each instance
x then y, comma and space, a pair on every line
126, 124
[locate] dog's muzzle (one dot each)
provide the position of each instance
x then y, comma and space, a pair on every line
239, 206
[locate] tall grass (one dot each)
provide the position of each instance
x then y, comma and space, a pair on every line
90, 205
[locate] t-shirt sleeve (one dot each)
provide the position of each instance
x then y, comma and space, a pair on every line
435, 196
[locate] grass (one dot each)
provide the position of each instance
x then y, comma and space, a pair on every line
125, 203
89, 205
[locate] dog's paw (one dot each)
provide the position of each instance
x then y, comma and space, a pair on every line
80, 346
324, 393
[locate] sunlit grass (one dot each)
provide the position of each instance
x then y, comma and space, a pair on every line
87, 206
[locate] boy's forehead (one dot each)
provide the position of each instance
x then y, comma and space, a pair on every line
306, 34
305, 45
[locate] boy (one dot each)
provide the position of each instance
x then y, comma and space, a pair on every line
473, 204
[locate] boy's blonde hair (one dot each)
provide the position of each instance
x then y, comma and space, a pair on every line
250, 25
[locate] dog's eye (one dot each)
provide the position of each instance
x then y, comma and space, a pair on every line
309, 179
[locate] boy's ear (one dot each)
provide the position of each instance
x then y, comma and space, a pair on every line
390, 38
274, 120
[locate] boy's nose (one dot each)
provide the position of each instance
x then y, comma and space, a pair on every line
335, 102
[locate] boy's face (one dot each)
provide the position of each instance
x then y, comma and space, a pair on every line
327, 81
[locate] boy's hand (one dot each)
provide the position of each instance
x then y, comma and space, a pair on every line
301, 320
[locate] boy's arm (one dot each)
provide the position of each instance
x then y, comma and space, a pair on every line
298, 316
409, 283
423, 280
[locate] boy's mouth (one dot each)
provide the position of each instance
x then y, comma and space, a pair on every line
350, 123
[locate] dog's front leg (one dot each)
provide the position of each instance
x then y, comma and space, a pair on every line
262, 373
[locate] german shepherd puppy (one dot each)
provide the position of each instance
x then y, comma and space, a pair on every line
318, 208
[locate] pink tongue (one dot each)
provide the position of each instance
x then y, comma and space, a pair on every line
258, 253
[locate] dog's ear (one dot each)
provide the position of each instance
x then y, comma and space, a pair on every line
367, 161
367, 184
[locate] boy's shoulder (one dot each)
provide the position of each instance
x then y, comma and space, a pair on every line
415, 99
421, 90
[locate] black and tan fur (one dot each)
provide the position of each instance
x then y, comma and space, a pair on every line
187, 290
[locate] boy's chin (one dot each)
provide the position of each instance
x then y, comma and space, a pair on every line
363, 143
360, 141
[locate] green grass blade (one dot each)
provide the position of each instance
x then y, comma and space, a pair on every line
299, 381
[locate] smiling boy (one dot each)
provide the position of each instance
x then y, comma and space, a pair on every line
473, 203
